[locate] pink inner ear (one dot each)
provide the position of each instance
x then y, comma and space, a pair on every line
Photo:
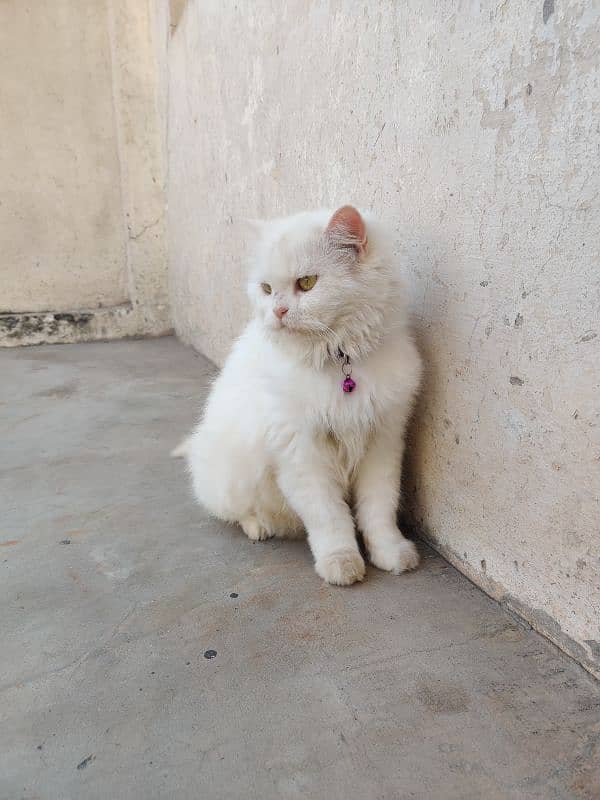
347, 221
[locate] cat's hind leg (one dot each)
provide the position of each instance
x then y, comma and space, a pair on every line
255, 530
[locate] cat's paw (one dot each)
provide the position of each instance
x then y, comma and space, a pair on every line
341, 567
254, 530
398, 556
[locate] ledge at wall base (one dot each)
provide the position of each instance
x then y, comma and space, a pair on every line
535, 618
82, 325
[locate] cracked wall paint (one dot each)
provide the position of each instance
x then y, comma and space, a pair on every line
472, 128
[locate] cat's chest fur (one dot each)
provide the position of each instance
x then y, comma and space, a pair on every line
314, 400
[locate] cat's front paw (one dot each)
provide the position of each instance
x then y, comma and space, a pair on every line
341, 567
398, 556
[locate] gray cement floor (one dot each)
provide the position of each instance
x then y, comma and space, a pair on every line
114, 586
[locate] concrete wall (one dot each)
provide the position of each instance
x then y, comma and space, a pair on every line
82, 169
473, 128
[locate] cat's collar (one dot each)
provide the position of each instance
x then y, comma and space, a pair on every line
348, 384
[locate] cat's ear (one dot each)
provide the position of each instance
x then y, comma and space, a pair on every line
347, 229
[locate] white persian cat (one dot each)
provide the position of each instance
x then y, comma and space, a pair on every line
305, 424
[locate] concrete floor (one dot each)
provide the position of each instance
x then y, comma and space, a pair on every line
115, 587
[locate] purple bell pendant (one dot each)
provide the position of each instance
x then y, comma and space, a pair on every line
348, 385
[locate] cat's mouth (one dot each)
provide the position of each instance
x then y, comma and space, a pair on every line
284, 326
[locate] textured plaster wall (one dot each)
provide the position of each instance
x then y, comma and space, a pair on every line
473, 128
82, 170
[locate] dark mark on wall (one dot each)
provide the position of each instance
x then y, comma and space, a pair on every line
210, 653
234, 594
87, 760
587, 337
483, 564
65, 541
19, 326
518, 320
379, 134
516, 381
529, 89
547, 10
484, 283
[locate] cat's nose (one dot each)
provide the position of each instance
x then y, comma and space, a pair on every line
280, 311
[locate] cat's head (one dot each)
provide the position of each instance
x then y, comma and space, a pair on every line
321, 277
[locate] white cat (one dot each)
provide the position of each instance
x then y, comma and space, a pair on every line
307, 419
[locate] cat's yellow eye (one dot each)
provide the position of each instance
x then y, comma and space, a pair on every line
266, 288
306, 283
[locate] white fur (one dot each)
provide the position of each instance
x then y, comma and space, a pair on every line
280, 447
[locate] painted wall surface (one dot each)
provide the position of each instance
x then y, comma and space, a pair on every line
82, 169
473, 128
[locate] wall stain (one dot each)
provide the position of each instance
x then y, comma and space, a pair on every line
547, 10
21, 326
84, 763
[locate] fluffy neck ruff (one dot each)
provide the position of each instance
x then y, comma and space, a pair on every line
356, 333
